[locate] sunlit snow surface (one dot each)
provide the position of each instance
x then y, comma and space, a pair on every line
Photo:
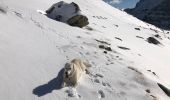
34, 49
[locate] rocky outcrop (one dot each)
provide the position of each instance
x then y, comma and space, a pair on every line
153, 40
78, 20
155, 12
160, 15
69, 13
143, 7
165, 89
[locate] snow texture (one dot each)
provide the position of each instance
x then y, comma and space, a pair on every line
34, 50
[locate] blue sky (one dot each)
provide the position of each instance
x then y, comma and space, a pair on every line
123, 3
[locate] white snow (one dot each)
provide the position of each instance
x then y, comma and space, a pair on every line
34, 49
72, 92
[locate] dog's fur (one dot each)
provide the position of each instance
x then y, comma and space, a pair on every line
73, 71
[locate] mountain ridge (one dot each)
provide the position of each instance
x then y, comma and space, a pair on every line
153, 12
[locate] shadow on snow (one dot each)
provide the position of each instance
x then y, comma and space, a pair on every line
54, 84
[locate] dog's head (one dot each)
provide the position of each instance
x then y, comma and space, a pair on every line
68, 69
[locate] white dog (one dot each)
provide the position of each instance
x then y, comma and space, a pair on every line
73, 71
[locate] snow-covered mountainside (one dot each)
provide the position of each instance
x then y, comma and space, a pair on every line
155, 12
128, 57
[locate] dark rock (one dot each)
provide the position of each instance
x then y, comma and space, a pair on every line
118, 38
149, 70
103, 42
124, 48
108, 49
139, 37
154, 73
117, 25
153, 40
159, 15
105, 52
165, 89
71, 14
137, 29
78, 20
155, 12
102, 46
148, 91
157, 35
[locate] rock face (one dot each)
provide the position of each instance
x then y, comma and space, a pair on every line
153, 40
69, 13
78, 20
165, 89
155, 12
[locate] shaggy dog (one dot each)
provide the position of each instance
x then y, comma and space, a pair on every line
73, 71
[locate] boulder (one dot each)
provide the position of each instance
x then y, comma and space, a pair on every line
69, 13
78, 20
153, 40
165, 89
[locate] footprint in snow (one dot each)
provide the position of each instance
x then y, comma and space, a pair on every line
96, 80
123, 48
148, 91
101, 94
18, 14
72, 92
118, 39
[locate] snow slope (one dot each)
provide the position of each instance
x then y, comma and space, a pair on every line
34, 49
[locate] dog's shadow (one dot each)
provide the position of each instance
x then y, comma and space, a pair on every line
54, 84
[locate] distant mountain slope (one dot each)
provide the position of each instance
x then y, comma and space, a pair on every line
155, 12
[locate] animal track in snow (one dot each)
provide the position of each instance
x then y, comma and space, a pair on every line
101, 94
124, 48
118, 39
72, 92
96, 80
152, 72
37, 23
148, 91
99, 17
140, 37
18, 14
